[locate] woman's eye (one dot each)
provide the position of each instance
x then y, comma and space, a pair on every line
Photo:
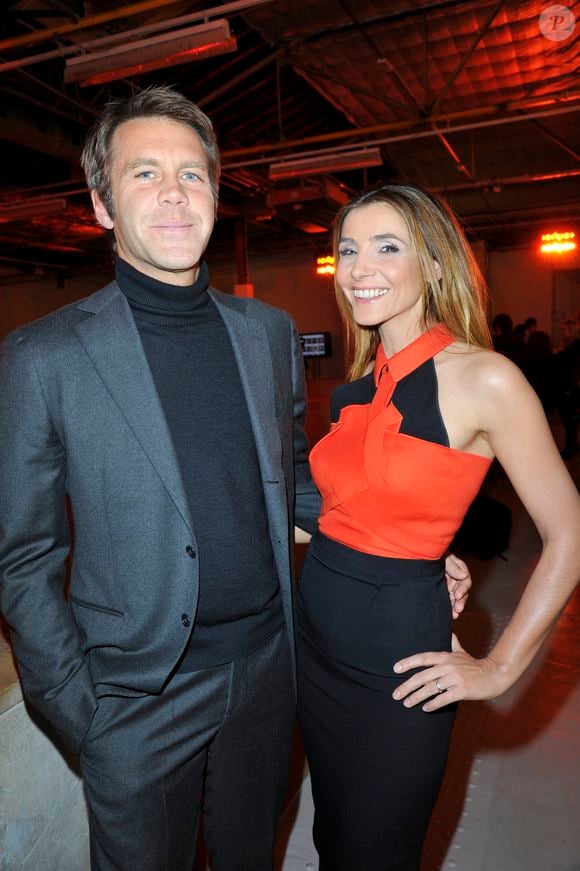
389, 249
345, 252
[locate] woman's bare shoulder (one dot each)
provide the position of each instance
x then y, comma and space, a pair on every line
483, 371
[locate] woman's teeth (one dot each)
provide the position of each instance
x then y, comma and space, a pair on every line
370, 292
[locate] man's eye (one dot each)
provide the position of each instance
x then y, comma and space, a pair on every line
145, 173
191, 176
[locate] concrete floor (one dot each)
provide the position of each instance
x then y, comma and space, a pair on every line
511, 795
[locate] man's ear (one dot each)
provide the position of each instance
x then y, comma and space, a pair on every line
101, 212
438, 272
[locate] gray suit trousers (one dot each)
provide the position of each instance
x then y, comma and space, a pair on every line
217, 739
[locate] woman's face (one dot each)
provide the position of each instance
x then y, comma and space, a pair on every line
377, 269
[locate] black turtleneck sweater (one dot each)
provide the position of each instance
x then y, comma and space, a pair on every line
197, 379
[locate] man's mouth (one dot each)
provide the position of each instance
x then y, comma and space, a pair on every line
172, 225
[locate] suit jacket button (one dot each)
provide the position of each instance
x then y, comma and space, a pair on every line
185, 619
190, 551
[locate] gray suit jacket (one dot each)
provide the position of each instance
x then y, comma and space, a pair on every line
80, 416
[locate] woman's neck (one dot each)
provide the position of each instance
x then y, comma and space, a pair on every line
396, 335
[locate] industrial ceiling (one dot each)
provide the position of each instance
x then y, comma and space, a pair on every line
312, 100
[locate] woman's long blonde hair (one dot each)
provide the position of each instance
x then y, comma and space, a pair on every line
458, 299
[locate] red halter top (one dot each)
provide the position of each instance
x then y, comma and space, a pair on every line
385, 492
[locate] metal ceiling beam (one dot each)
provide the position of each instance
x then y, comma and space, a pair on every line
101, 42
55, 142
234, 100
410, 128
33, 260
508, 181
16, 200
500, 219
46, 34
61, 95
559, 142
65, 8
49, 33
461, 167
405, 137
232, 63
237, 80
426, 74
399, 80
476, 40
395, 17
37, 101
347, 84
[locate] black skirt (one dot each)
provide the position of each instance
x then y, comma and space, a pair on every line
376, 766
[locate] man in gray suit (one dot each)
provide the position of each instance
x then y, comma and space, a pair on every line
171, 415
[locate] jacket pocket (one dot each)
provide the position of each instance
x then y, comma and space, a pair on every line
102, 609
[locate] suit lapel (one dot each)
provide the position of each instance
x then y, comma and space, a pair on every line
252, 352
111, 340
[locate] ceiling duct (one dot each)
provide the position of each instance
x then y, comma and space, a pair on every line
157, 52
345, 160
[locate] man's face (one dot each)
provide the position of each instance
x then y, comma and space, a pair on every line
163, 204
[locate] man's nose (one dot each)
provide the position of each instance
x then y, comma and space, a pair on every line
172, 191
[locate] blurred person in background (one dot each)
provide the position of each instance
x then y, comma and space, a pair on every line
568, 385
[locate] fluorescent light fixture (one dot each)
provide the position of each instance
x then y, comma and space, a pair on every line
157, 52
344, 160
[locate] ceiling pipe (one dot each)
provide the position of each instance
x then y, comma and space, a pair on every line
8, 203
48, 33
355, 142
32, 201
498, 220
411, 124
101, 42
460, 166
510, 180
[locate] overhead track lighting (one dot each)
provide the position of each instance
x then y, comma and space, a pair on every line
357, 159
157, 52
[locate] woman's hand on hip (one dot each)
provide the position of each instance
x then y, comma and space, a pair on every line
447, 677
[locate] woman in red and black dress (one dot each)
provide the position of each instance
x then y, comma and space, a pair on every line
413, 434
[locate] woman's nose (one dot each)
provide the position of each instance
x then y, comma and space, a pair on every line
362, 267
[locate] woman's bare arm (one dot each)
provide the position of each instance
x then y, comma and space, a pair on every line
513, 422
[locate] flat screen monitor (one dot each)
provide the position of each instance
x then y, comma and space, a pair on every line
316, 344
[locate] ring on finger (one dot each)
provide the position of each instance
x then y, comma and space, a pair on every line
438, 686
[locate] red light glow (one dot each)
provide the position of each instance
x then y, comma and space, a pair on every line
325, 265
558, 243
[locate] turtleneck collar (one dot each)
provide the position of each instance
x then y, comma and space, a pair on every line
146, 294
